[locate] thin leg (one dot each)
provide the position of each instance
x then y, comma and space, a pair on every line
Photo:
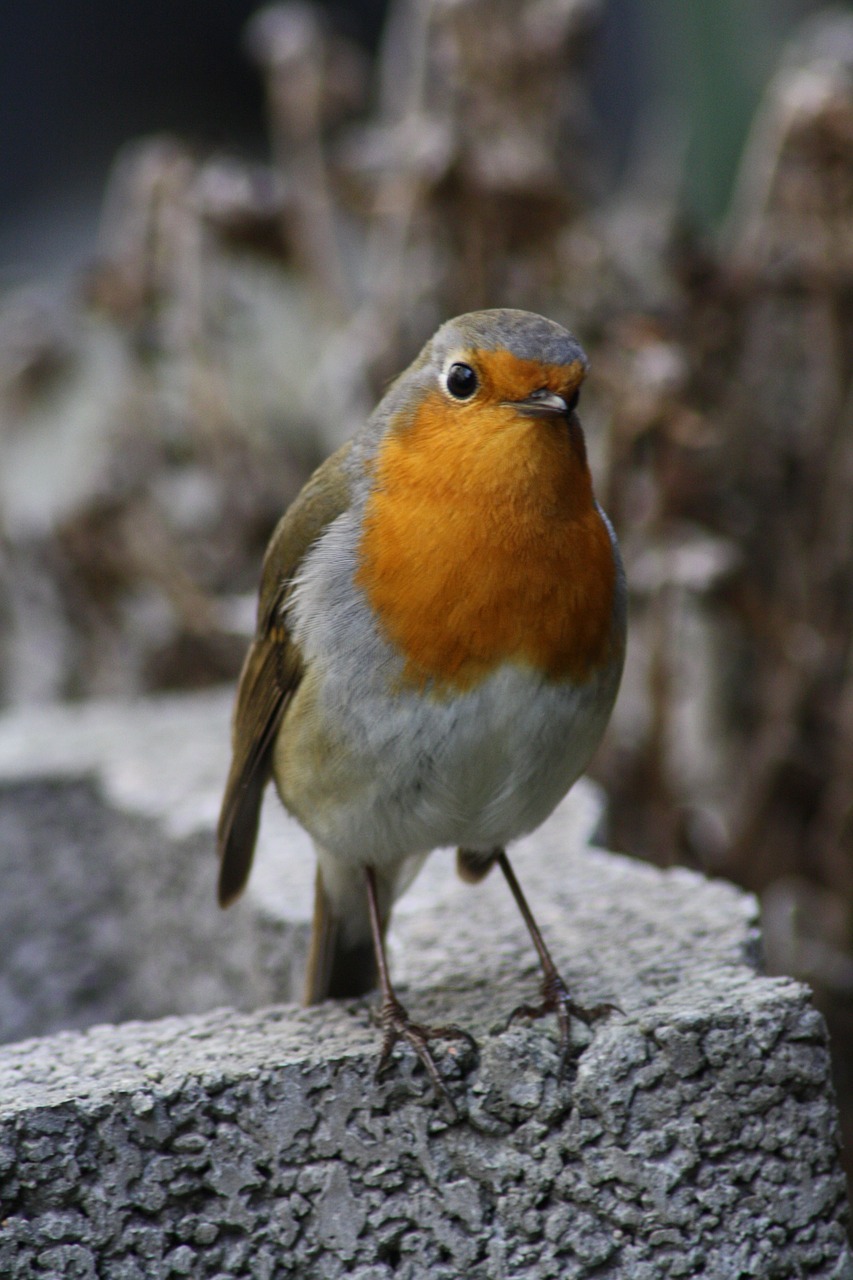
394, 1020
555, 994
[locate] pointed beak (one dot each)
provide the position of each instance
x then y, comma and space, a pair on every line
540, 404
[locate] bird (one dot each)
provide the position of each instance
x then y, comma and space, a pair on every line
440, 639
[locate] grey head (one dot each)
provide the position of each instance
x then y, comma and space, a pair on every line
524, 333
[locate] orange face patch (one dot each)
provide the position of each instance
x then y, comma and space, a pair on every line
508, 377
482, 543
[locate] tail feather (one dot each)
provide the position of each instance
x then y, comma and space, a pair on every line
341, 959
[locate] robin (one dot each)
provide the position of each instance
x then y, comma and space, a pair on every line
440, 639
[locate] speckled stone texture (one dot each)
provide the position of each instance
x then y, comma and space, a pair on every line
694, 1134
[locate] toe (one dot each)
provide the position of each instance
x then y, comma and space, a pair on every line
397, 1025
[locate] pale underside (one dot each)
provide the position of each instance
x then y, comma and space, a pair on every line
380, 774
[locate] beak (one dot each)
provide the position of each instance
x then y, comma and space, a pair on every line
540, 404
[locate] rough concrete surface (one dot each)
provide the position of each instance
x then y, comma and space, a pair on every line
694, 1134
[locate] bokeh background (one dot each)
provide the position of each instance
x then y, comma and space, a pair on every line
77, 82
222, 229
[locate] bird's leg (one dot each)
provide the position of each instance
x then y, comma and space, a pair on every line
393, 1017
555, 994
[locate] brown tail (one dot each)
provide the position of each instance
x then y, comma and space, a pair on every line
341, 960
472, 866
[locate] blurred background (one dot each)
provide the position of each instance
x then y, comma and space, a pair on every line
78, 82
223, 228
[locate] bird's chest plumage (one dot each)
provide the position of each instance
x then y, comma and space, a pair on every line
483, 548
461, 663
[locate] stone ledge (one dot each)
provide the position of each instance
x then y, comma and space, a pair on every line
696, 1135
695, 1139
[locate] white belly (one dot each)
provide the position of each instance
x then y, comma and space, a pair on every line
375, 780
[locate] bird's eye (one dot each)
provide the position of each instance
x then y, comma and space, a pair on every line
572, 402
461, 381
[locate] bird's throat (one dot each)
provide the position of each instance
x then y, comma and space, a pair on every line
483, 545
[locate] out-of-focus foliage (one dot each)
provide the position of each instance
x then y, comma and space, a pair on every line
240, 320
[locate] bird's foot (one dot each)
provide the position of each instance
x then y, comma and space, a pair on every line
397, 1025
556, 999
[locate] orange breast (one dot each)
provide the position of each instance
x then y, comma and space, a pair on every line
482, 544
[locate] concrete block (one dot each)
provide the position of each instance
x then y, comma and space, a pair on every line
694, 1135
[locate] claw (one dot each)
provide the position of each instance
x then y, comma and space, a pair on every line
397, 1025
556, 999
555, 995
394, 1019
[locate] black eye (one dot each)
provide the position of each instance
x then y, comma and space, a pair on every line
461, 381
572, 404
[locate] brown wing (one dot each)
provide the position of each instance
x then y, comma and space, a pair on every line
271, 673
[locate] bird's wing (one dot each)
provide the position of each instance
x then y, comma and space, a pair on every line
272, 671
